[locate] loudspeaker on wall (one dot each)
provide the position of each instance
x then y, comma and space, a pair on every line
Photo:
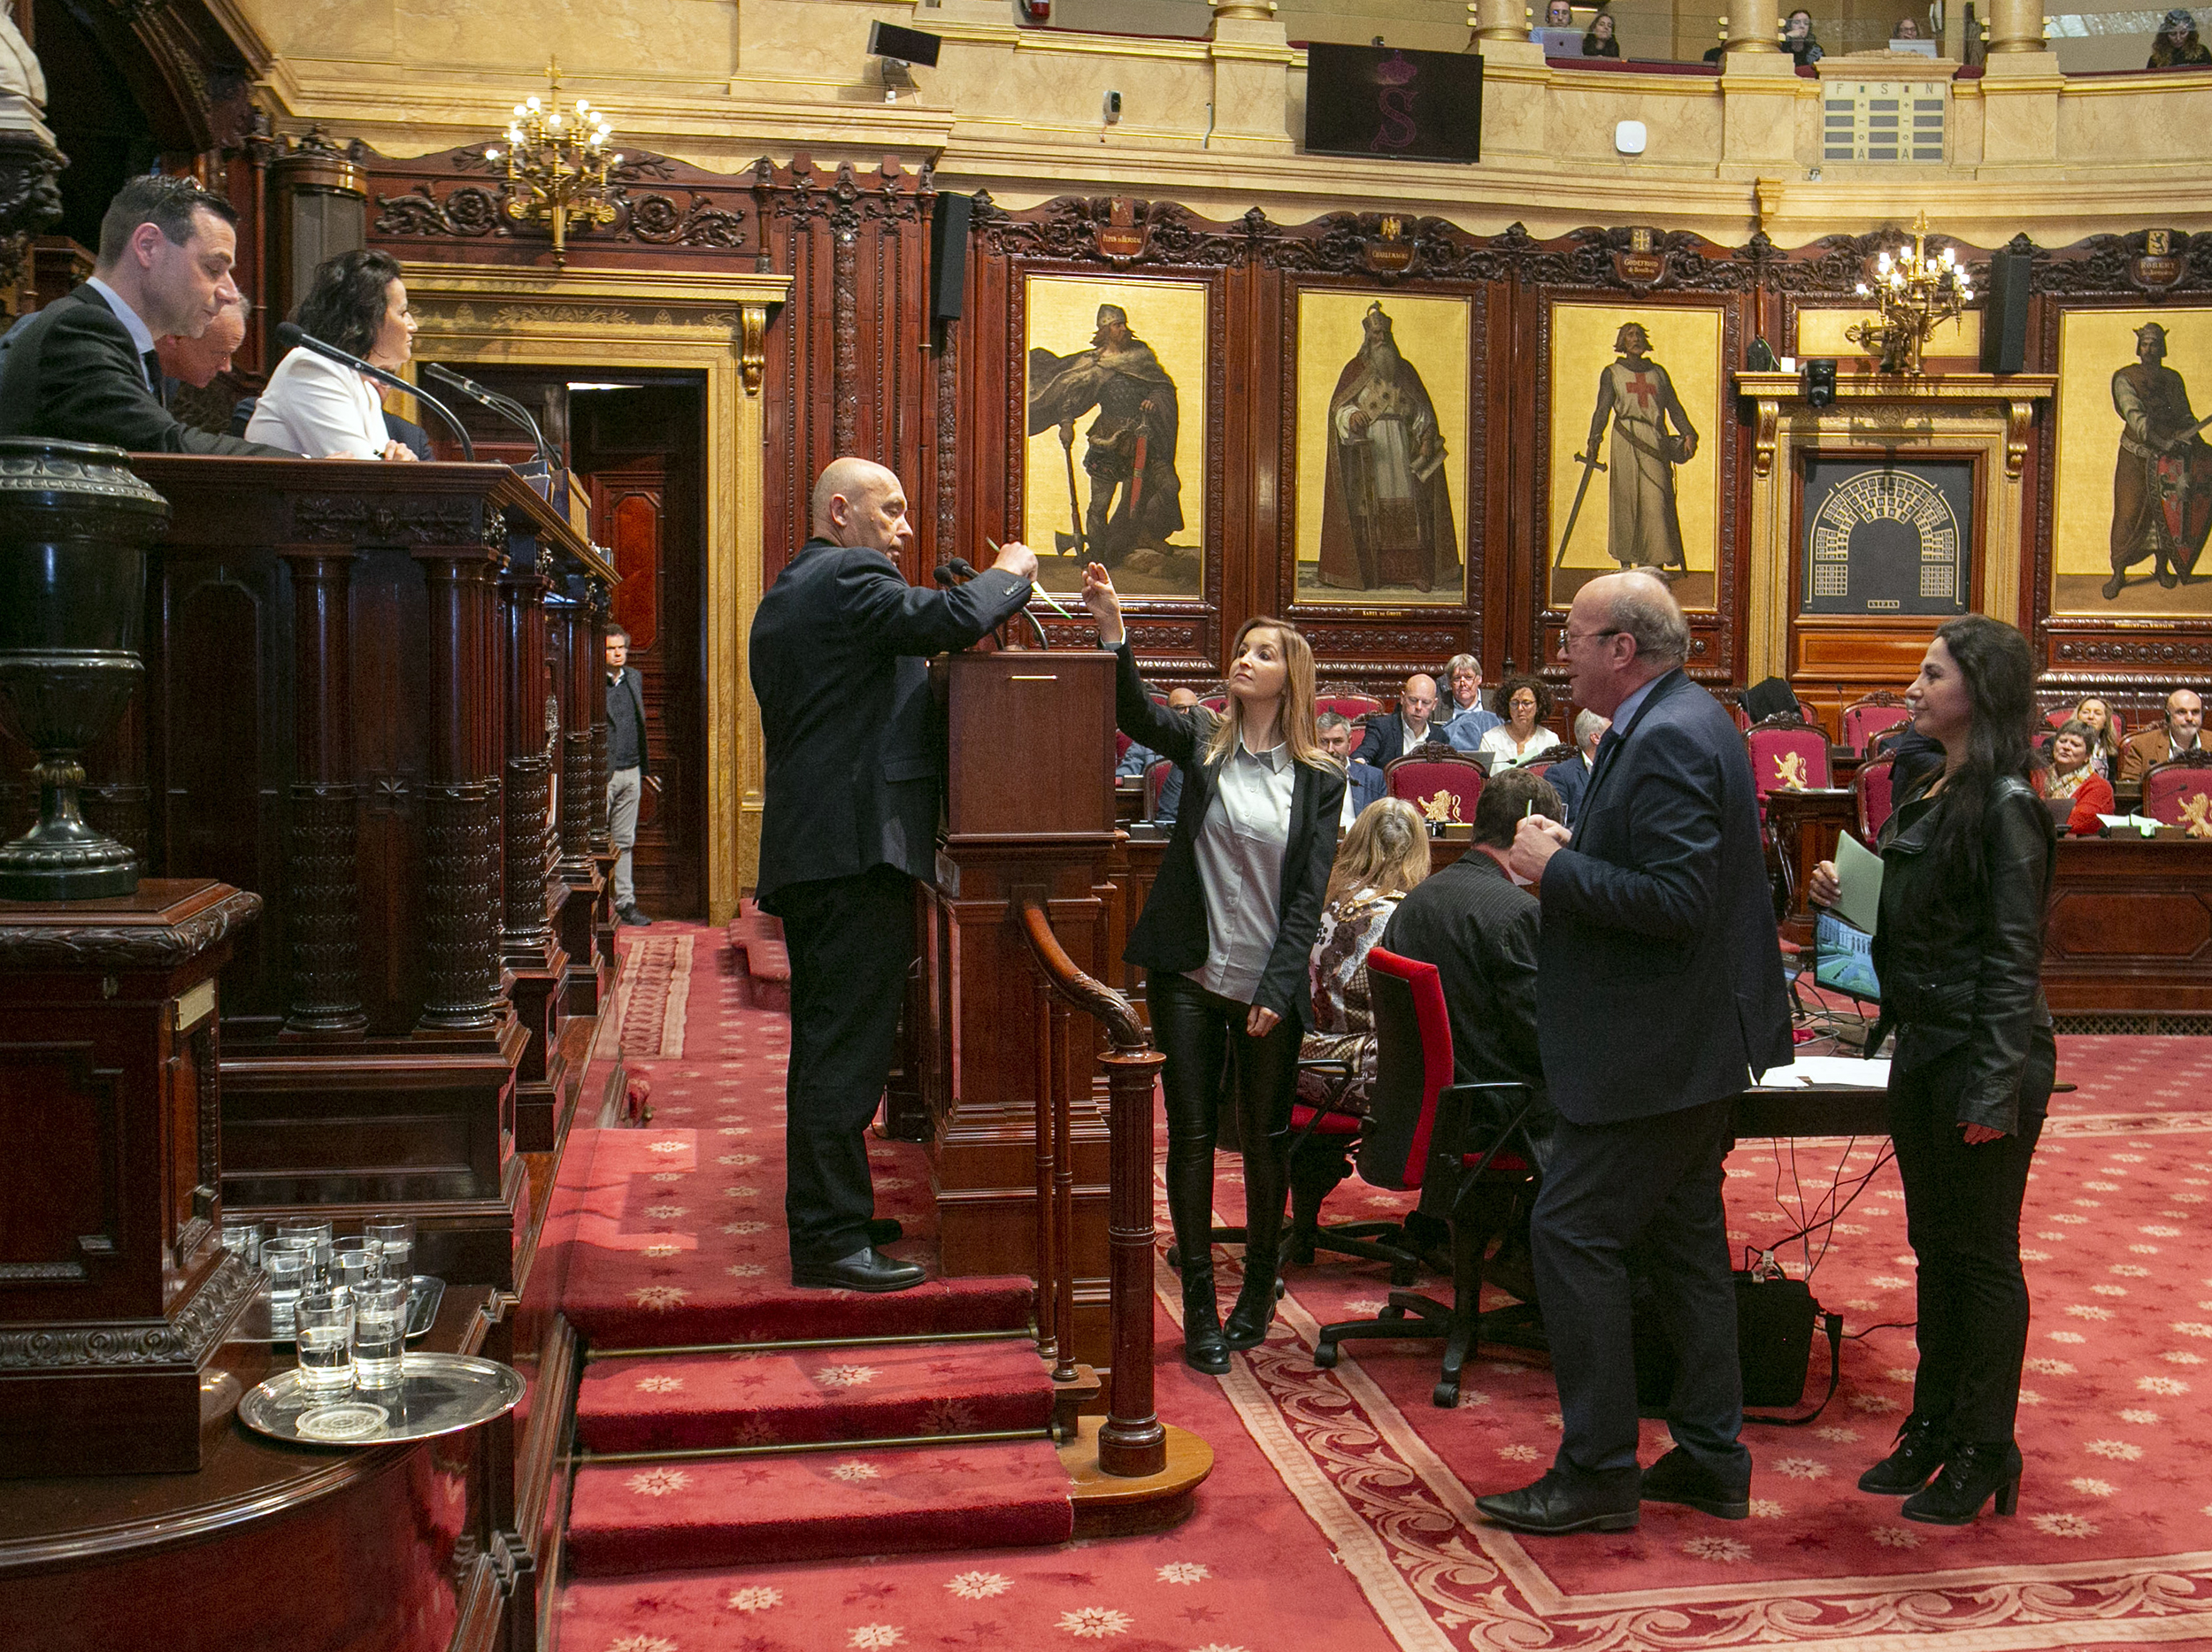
2005, 313
948, 255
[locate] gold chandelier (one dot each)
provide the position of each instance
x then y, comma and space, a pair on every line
556, 163
1917, 293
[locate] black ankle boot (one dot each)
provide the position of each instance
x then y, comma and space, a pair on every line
1203, 1348
1248, 1322
1970, 1476
1922, 1444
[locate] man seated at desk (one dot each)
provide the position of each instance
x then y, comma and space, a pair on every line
1138, 761
2182, 731
85, 367
1389, 738
1363, 781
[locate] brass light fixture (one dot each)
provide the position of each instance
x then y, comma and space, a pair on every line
556, 163
1917, 293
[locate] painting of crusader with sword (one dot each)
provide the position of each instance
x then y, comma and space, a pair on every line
1134, 504
1652, 435
2162, 485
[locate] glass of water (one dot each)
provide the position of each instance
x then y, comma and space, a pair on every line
243, 1240
380, 1332
317, 1233
290, 1268
394, 1238
353, 1264
323, 1324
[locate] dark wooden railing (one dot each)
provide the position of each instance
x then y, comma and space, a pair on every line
1131, 1443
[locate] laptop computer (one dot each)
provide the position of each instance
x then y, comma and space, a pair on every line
1843, 959
1558, 42
1925, 48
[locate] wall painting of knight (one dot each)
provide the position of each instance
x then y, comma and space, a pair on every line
1634, 475
2133, 503
1115, 470
1383, 453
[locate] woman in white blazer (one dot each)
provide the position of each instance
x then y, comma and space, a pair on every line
315, 407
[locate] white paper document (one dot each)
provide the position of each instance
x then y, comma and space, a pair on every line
1850, 1071
1858, 883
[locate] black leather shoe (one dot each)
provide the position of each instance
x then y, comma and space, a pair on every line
1971, 1475
1246, 1324
1922, 1444
1565, 1502
1680, 1477
631, 917
885, 1230
1203, 1348
862, 1270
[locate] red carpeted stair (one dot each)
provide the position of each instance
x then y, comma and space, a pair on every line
782, 1396
757, 940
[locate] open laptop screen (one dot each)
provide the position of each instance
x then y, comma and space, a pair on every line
1843, 959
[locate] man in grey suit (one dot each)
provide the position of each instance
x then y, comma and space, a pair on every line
84, 368
1659, 993
854, 749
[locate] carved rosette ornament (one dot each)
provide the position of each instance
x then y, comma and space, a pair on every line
75, 528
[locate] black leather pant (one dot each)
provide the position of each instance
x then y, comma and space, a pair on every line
1202, 1034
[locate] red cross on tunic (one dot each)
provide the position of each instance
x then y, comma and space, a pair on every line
1643, 386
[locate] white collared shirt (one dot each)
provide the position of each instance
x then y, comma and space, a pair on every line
1240, 846
142, 335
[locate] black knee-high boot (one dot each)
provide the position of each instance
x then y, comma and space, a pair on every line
1266, 1176
1190, 1204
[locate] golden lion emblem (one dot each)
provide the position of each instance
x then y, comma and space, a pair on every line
1441, 810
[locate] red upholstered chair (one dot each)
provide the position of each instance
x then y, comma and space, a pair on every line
1345, 703
1122, 742
1216, 702
1873, 789
1862, 719
1155, 778
1446, 1139
1441, 783
2178, 792
1727, 697
1786, 749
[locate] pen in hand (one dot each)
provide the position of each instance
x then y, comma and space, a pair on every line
1038, 590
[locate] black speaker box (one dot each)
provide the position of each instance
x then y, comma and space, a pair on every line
2005, 314
948, 255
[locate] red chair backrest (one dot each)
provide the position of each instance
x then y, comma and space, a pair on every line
2179, 792
1216, 702
1442, 785
1155, 778
1413, 1063
1786, 749
1122, 742
1347, 705
1868, 718
1874, 785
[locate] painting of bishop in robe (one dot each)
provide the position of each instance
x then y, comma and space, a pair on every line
1382, 447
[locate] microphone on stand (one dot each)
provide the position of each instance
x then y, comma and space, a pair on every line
958, 571
505, 406
292, 336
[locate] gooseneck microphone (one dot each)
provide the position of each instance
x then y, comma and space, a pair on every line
505, 406
958, 571
292, 336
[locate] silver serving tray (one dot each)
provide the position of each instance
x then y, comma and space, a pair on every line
437, 1394
423, 1297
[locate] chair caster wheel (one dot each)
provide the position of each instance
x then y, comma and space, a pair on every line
1325, 1355
1403, 1275
1281, 1289
1392, 1312
1446, 1397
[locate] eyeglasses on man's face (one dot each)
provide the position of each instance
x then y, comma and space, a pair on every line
1568, 639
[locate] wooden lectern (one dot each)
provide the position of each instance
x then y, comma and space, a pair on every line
1029, 809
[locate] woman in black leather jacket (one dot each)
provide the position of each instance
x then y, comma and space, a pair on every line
1967, 860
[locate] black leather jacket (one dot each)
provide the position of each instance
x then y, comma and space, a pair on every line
1968, 973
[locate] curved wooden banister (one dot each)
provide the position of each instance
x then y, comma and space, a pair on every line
1131, 1443
1093, 997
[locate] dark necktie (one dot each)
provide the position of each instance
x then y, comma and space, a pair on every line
1608, 744
152, 362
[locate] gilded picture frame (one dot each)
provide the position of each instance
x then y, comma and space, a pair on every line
2126, 508
1654, 406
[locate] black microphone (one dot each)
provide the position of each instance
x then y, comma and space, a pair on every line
962, 566
505, 406
946, 574
292, 336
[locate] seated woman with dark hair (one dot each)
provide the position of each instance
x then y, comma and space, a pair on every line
1524, 702
2176, 45
1599, 42
318, 406
2071, 776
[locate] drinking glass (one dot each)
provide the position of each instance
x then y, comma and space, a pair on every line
243, 1240
317, 1232
393, 1236
380, 1332
323, 1330
289, 1267
353, 1264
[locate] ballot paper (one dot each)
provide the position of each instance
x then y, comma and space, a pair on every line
1858, 883
1848, 1072
2144, 824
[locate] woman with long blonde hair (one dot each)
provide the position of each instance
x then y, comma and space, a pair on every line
1224, 941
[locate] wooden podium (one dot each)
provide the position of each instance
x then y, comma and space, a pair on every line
1029, 810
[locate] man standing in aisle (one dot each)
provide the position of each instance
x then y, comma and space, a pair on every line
627, 766
1659, 991
854, 748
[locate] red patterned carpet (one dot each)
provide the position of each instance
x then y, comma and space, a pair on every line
1340, 1513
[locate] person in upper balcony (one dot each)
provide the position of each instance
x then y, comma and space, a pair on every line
316, 405
1599, 42
1797, 39
1906, 30
1559, 14
2176, 45
85, 368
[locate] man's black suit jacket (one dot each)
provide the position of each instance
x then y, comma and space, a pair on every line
627, 700
1660, 981
74, 375
1171, 932
1384, 740
1479, 928
1570, 777
854, 743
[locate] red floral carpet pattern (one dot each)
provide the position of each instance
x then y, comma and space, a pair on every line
653, 996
